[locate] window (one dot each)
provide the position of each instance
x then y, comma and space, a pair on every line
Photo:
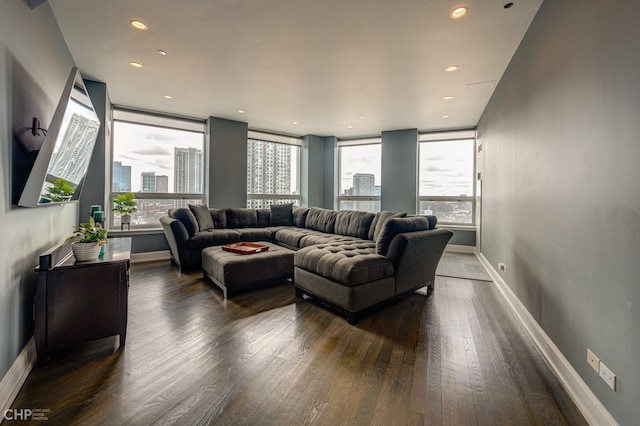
446, 175
161, 160
273, 169
360, 174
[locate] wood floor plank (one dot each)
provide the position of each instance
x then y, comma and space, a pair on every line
265, 357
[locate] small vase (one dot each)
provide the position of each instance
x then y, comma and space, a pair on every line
85, 251
125, 218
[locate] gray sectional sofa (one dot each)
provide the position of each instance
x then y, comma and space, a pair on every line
352, 260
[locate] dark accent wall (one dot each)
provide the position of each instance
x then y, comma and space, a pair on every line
34, 66
561, 186
96, 186
312, 160
227, 143
330, 163
399, 170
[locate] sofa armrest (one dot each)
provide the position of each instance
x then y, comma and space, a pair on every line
177, 237
415, 256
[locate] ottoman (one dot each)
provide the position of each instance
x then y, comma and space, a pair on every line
233, 272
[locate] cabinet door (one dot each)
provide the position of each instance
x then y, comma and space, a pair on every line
83, 303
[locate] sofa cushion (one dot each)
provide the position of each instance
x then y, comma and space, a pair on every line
300, 216
379, 220
203, 216
215, 237
350, 264
185, 216
353, 223
292, 236
322, 220
254, 234
242, 218
264, 217
219, 217
395, 226
282, 214
324, 238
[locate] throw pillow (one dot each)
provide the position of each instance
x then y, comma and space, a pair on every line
281, 214
203, 216
189, 221
380, 220
394, 226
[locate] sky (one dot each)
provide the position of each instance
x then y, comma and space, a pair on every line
446, 168
150, 149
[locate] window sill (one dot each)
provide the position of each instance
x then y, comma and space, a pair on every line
457, 227
133, 232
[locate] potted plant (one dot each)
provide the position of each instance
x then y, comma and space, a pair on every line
125, 204
88, 239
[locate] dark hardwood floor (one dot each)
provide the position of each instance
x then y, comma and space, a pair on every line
457, 357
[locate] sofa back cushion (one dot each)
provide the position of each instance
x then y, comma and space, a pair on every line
242, 218
353, 223
322, 220
187, 218
300, 216
395, 226
281, 214
219, 217
378, 222
203, 216
264, 217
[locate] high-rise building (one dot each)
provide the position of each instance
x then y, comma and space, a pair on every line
188, 170
148, 182
121, 177
162, 183
364, 184
268, 170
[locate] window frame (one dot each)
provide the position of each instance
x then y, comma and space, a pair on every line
426, 138
283, 140
158, 120
377, 140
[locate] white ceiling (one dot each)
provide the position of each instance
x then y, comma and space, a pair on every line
322, 63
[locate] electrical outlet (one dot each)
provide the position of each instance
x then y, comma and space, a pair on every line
608, 376
593, 360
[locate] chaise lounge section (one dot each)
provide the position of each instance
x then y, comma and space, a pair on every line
351, 260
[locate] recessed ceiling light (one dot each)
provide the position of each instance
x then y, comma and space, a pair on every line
138, 24
445, 116
451, 68
349, 127
448, 98
135, 64
162, 52
458, 12
361, 117
241, 111
294, 122
168, 97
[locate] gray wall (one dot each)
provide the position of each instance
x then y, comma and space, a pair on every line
96, 185
227, 143
330, 163
561, 186
32, 53
312, 160
399, 170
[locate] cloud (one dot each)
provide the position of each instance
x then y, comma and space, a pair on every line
151, 150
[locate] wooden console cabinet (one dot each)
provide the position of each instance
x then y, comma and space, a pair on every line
81, 301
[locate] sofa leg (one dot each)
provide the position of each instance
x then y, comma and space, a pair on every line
352, 318
299, 293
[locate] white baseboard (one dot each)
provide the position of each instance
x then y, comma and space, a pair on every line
589, 405
456, 248
150, 256
16, 376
